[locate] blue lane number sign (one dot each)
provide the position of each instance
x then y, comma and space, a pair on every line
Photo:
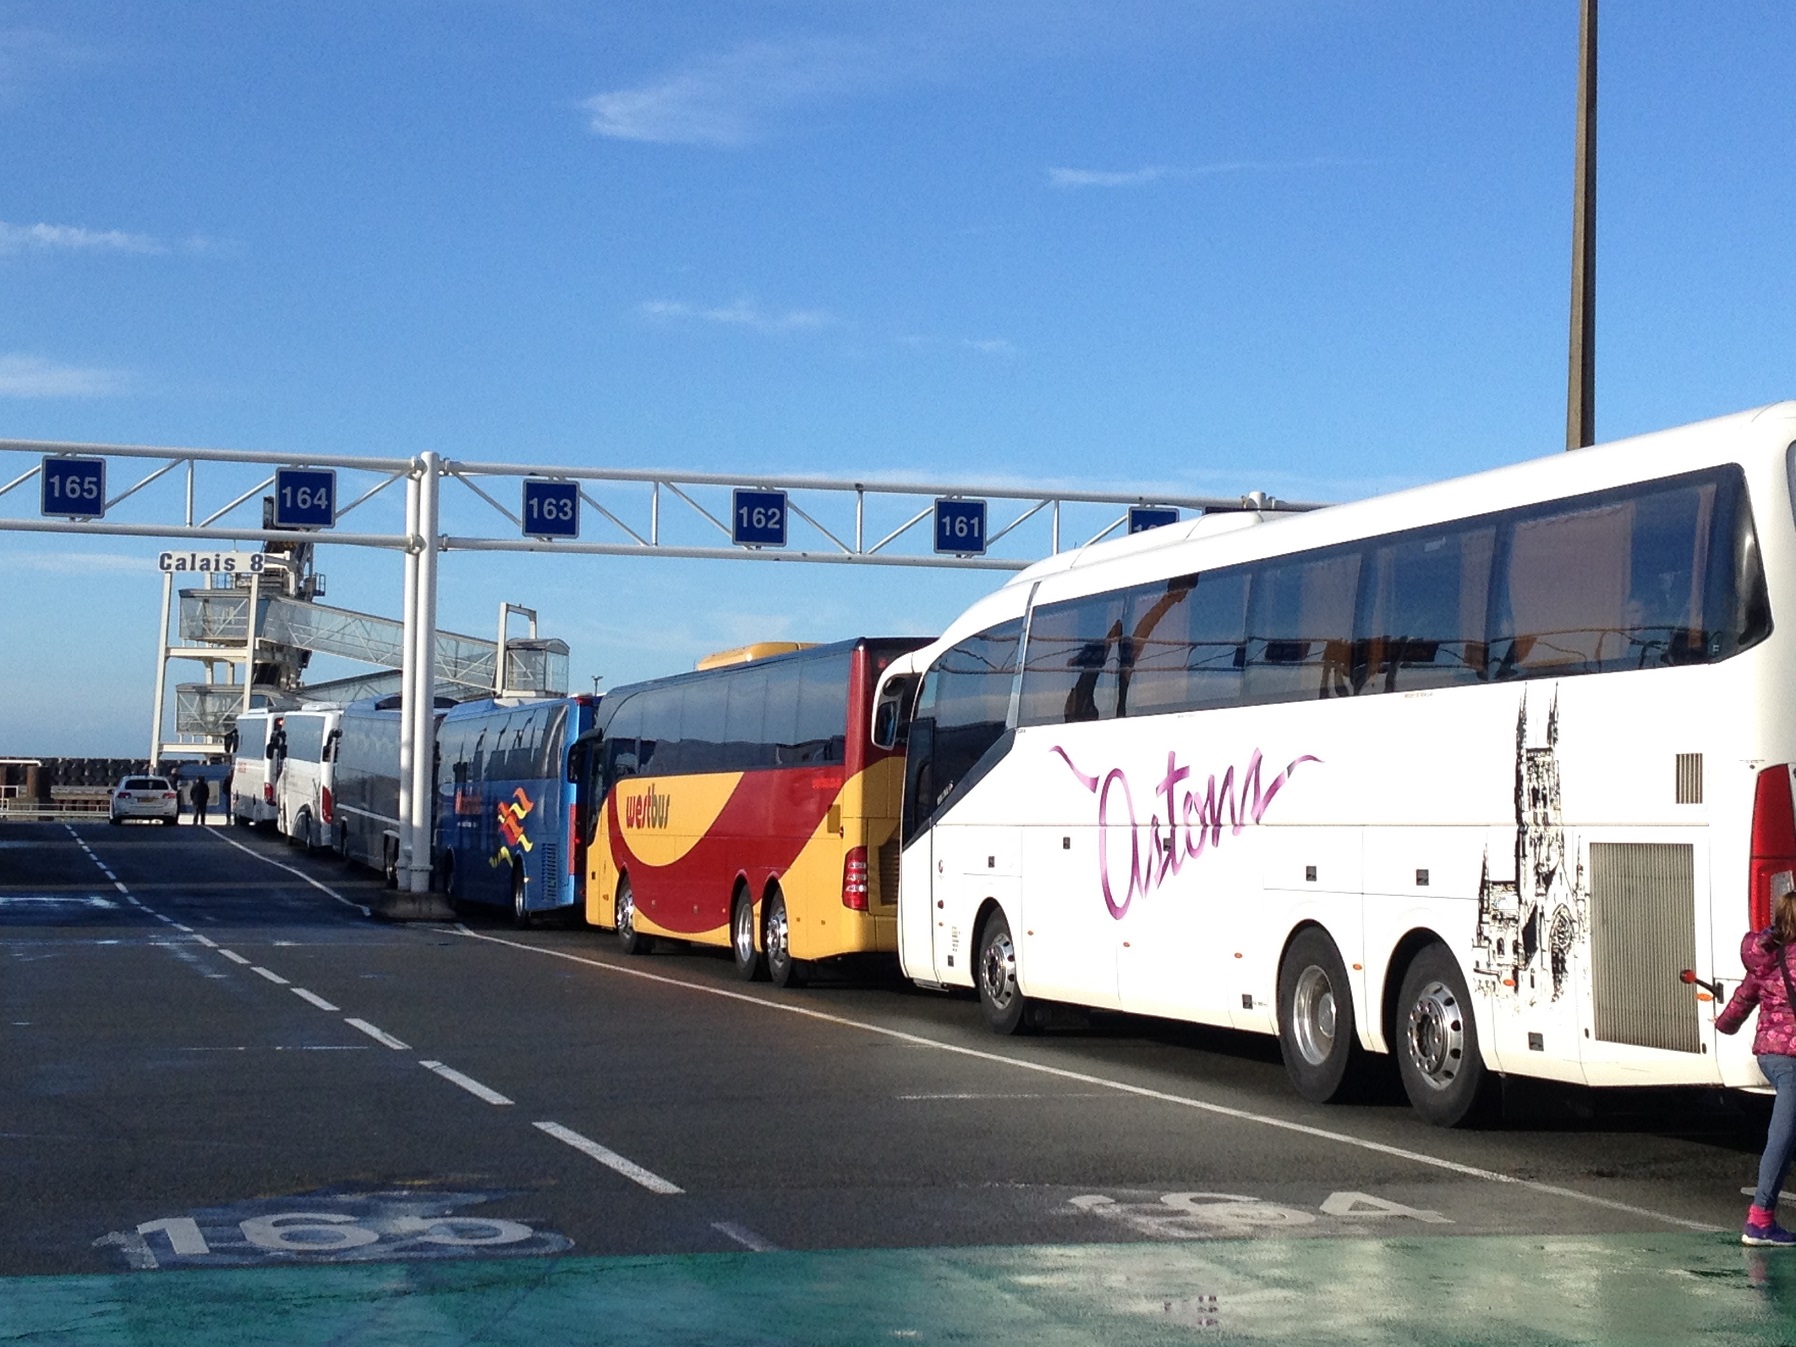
551, 509
1144, 517
75, 488
758, 518
305, 498
960, 527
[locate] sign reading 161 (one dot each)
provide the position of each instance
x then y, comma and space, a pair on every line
960, 526
305, 498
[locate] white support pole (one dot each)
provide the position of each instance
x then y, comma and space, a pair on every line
408, 671
168, 586
249, 637
423, 714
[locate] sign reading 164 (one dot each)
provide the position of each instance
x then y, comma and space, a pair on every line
305, 498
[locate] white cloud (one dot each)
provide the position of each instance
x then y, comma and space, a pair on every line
78, 563
1086, 177
728, 99
26, 53
996, 346
1074, 178
46, 237
743, 313
30, 376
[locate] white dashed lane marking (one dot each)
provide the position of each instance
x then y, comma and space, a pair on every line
378, 1035
609, 1158
467, 1083
314, 998
234, 956
275, 978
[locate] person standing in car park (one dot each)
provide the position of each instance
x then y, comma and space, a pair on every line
1769, 985
201, 795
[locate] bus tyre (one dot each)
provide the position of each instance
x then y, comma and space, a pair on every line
1007, 1010
782, 968
749, 963
301, 835
520, 907
1437, 1041
1316, 1032
627, 937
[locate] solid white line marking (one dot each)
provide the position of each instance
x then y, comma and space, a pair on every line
745, 1237
314, 998
379, 1035
281, 865
233, 956
609, 1158
209, 944
275, 978
467, 1083
1121, 1087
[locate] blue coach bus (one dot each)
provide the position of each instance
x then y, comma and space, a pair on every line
505, 803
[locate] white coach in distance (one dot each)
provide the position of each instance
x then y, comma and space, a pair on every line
305, 806
1470, 773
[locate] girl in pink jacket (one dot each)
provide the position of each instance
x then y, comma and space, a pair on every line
1771, 986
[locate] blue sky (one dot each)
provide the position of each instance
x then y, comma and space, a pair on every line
1318, 248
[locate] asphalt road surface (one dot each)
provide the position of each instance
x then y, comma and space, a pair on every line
212, 1058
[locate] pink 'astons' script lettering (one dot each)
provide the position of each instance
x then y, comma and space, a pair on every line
1131, 865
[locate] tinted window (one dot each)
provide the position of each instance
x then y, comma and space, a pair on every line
1628, 579
781, 724
705, 704
822, 724
1188, 639
622, 735
1300, 631
962, 712
305, 737
745, 719
1424, 621
1078, 652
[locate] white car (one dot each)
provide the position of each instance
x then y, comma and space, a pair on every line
151, 797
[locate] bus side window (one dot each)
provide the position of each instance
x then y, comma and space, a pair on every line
1301, 628
1424, 613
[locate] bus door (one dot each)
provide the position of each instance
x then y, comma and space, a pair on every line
895, 727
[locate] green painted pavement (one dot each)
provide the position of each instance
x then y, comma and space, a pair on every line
1686, 1289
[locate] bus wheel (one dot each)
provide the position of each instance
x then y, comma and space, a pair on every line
1007, 1010
520, 910
627, 938
782, 968
749, 964
1316, 1034
301, 836
1437, 1041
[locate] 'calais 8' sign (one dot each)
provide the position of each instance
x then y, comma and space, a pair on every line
210, 563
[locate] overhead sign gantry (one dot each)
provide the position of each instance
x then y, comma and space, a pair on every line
634, 512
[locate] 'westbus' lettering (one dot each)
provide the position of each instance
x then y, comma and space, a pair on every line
646, 811
1132, 865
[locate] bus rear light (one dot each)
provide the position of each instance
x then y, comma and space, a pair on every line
1773, 844
326, 806
854, 880
268, 792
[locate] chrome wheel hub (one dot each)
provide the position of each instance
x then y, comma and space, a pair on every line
997, 970
1435, 1035
1313, 1016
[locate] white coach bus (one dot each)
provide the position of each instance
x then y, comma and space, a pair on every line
1470, 773
304, 794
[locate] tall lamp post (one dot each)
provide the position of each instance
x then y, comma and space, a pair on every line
1580, 403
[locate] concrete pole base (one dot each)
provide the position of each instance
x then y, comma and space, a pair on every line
396, 906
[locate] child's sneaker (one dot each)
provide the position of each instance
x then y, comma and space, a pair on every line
1769, 1235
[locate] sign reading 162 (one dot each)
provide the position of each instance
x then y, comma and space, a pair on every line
758, 518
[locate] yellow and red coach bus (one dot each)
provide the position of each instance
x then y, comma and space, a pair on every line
744, 805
